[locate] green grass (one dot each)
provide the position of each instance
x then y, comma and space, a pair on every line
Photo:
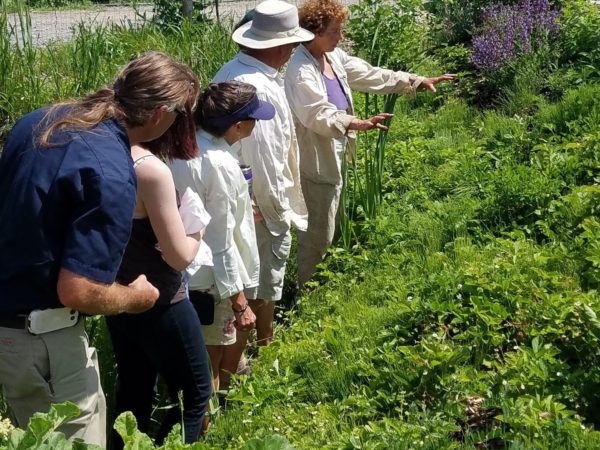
463, 314
472, 283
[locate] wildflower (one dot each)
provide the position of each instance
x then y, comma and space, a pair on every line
510, 30
5, 428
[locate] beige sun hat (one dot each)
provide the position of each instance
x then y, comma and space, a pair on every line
275, 23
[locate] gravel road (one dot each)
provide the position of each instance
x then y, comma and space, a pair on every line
53, 26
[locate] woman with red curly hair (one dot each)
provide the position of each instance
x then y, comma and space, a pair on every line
318, 85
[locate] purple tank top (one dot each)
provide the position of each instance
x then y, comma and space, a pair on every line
335, 93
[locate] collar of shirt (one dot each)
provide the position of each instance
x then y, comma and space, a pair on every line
338, 70
248, 60
207, 141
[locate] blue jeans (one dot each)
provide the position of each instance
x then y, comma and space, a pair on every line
166, 341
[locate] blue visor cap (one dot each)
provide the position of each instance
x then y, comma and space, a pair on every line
255, 109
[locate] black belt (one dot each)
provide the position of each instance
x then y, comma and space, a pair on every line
14, 321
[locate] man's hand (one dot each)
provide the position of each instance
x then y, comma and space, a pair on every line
148, 294
92, 297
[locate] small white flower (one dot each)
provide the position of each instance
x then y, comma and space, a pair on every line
5, 428
522, 386
459, 287
459, 296
559, 374
504, 382
409, 298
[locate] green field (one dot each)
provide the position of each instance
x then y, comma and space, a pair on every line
460, 308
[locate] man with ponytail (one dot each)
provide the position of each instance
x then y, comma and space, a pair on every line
67, 198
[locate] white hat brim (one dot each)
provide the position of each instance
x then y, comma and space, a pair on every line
246, 37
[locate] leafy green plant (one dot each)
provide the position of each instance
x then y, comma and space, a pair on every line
581, 36
41, 432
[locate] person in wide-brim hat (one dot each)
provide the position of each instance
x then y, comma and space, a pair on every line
274, 23
266, 44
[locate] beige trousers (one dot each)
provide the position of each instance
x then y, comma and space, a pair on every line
36, 371
322, 203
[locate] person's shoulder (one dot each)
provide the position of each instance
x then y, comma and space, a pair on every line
296, 62
31, 124
151, 167
216, 158
106, 144
234, 69
35, 117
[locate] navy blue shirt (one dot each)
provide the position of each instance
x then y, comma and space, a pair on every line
69, 205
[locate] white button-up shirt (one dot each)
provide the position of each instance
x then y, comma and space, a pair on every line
271, 150
217, 178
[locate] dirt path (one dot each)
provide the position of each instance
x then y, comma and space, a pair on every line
59, 25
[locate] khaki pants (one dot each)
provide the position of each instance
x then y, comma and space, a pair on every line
273, 253
322, 203
54, 367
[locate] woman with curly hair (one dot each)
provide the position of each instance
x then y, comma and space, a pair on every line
318, 85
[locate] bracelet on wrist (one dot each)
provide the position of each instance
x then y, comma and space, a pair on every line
240, 311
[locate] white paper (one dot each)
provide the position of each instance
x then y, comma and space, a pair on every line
195, 219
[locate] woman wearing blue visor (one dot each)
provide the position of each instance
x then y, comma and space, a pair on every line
227, 112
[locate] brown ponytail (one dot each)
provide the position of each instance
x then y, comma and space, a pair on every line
149, 81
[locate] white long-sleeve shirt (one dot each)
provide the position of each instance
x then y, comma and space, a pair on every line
217, 178
318, 122
272, 149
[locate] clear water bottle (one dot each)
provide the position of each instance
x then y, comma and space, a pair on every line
247, 171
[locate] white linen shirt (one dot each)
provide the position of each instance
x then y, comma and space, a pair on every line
271, 150
217, 178
318, 122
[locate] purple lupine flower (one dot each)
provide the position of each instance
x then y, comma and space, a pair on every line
511, 30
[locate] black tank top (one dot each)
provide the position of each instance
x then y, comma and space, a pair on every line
143, 257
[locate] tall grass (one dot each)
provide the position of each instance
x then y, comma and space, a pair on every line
32, 76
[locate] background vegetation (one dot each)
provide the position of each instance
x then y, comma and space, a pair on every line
461, 310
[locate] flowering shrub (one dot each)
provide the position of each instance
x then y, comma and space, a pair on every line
508, 31
5, 428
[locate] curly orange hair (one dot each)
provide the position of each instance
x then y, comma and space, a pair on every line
316, 15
